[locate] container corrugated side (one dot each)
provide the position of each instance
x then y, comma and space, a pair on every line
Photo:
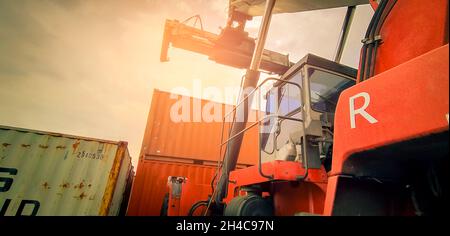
55, 174
190, 140
150, 184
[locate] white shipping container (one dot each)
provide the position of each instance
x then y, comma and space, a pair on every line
44, 173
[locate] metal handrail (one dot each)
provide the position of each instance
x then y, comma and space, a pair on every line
259, 121
259, 86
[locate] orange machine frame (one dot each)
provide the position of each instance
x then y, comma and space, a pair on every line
409, 99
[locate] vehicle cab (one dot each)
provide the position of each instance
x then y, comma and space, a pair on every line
308, 138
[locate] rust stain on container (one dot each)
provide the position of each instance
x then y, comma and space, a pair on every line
82, 195
46, 185
79, 186
75, 146
112, 179
65, 185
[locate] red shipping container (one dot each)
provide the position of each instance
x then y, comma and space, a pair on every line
188, 149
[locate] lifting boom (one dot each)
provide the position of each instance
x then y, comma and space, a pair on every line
233, 47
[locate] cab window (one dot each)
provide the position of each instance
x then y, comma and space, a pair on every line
325, 89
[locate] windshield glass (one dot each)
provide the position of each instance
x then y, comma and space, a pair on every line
284, 100
290, 99
287, 96
325, 89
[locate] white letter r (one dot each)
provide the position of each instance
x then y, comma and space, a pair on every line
361, 110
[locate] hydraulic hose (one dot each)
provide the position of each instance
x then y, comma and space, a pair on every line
197, 205
377, 42
367, 47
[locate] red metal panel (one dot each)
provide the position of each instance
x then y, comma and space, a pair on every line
197, 139
412, 22
304, 197
373, 4
191, 194
150, 184
280, 170
330, 195
408, 101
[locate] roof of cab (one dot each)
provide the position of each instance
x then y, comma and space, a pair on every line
321, 62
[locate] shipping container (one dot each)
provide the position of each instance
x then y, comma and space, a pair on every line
43, 173
187, 149
195, 139
150, 184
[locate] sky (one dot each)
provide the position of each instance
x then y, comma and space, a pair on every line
89, 68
